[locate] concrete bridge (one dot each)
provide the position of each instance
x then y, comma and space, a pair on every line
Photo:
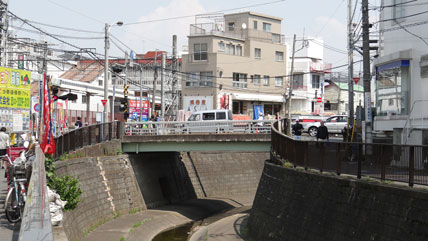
162, 167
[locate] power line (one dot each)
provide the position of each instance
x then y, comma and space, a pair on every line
65, 28
417, 36
193, 15
59, 35
408, 16
328, 20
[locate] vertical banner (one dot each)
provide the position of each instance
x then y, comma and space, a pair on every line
48, 142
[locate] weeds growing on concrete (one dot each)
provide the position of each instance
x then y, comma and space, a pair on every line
122, 238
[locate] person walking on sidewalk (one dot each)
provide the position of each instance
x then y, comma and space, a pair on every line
297, 129
322, 132
4, 143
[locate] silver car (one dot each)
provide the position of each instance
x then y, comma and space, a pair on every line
334, 124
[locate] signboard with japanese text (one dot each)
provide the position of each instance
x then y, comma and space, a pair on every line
134, 110
15, 88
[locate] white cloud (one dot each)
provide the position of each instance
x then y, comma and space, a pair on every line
158, 35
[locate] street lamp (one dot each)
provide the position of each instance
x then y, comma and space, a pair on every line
106, 47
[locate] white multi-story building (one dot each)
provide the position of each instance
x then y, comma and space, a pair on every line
308, 76
237, 62
401, 94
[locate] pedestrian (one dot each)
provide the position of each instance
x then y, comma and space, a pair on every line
322, 132
260, 118
297, 128
4, 143
78, 123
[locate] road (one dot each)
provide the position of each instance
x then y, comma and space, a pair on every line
8, 231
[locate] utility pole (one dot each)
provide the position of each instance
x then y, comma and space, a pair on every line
366, 71
174, 103
42, 91
141, 92
106, 47
162, 86
290, 91
3, 32
155, 78
350, 65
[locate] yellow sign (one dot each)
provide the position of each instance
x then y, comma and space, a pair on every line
15, 88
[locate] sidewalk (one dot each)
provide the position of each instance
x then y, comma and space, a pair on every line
8, 231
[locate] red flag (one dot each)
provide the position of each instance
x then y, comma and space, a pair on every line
48, 142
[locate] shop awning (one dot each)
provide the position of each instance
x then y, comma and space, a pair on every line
258, 97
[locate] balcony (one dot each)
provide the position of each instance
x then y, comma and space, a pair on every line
217, 29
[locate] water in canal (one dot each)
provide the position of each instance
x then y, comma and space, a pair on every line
181, 233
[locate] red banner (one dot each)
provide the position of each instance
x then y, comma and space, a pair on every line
48, 142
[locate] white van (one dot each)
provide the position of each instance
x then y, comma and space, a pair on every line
211, 115
208, 121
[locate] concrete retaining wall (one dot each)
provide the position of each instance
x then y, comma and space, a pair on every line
297, 205
224, 174
109, 189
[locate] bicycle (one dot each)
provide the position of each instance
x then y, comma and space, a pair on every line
16, 197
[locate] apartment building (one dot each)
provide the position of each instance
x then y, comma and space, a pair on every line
401, 95
308, 76
237, 62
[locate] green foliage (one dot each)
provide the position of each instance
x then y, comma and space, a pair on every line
67, 187
122, 238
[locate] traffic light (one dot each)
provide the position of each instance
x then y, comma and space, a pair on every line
124, 106
54, 94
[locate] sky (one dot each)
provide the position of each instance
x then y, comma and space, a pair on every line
316, 18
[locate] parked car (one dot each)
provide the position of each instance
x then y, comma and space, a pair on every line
334, 124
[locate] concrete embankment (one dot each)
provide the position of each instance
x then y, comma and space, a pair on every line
296, 205
119, 185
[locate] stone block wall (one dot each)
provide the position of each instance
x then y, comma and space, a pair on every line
297, 205
109, 148
109, 189
223, 174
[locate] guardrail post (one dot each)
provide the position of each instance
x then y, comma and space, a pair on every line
306, 155
411, 166
89, 135
322, 157
382, 165
360, 152
338, 163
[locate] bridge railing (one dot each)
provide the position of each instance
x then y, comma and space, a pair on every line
86, 136
387, 162
36, 219
191, 127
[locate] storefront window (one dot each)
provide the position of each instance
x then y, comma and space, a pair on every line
392, 89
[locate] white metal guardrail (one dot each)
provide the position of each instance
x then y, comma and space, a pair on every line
192, 127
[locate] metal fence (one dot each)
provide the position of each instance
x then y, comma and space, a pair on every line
191, 127
86, 136
402, 163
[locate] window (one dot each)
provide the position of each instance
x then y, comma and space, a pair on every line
221, 46
239, 50
100, 82
257, 79
239, 80
315, 81
200, 52
276, 38
199, 79
392, 89
398, 11
255, 24
208, 116
267, 27
297, 81
231, 26
279, 56
257, 53
84, 99
220, 115
278, 81
230, 49
266, 80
